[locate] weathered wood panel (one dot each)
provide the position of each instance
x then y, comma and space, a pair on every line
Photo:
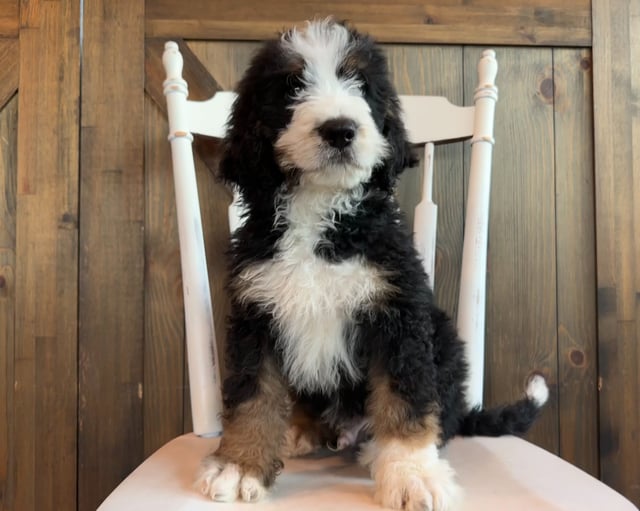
521, 320
9, 60
539, 22
9, 18
225, 61
8, 169
46, 286
111, 274
575, 238
616, 84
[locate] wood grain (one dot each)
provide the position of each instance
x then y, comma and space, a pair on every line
9, 69
111, 273
164, 348
575, 235
616, 86
46, 286
521, 324
9, 18
224, 61
31, 13
8, 169
541, 22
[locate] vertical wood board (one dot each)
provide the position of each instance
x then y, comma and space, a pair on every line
8, 169
9, 69
9, 18
46, 289
616, 86
111, 274
575, 238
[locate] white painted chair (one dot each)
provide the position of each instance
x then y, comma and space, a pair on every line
505, 473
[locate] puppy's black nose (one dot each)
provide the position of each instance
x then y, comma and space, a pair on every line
338, 132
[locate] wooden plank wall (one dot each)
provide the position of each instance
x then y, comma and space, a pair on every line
92, 362
8, 171
575, 258
45, 371
616, 51
9, 18
111, 271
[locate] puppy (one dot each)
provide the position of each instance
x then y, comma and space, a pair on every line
331, 308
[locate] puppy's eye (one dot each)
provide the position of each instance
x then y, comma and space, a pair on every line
294, 84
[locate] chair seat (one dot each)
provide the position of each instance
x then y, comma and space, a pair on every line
497, 474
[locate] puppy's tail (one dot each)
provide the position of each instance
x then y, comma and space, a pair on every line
512, 419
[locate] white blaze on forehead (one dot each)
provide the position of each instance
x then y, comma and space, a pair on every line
323, 45
326, 94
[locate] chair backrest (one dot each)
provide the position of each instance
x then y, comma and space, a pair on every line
428, 119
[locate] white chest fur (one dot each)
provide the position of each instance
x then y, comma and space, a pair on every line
312, 300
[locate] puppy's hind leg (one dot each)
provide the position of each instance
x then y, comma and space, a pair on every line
403, 455
248, 458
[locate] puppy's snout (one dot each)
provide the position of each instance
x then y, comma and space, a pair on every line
338, 132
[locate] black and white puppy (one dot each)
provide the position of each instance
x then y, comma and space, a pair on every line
331, 309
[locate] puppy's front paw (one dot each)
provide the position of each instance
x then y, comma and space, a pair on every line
414, 487
226, 482
414, 481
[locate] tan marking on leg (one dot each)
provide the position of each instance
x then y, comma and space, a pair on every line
254, 431
403, 455
391, 416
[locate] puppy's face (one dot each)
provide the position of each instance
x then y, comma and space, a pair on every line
317, 108
335, 135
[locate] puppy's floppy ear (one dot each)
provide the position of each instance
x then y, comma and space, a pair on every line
401, 154
249, 160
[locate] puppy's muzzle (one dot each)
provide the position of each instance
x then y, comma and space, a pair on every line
339, 132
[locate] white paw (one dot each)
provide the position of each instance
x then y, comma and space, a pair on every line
414, 479
413, 487
226, 482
